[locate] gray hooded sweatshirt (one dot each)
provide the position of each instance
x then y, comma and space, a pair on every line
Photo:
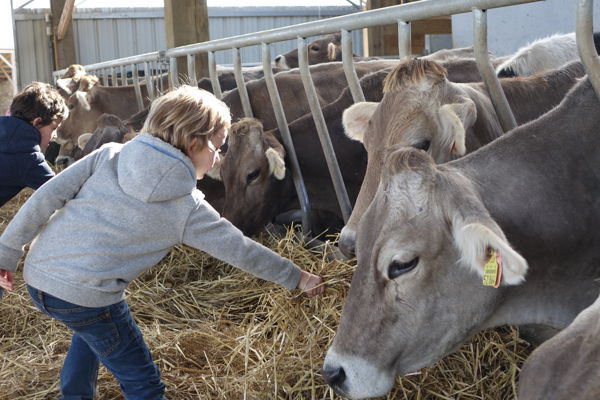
104, 220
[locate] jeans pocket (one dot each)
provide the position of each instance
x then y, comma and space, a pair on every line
96, 326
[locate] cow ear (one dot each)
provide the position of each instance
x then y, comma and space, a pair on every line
276, 163
83, 139
215, 171
332, 51
455, 119
84, 99
355, 119
68, 85
475, 237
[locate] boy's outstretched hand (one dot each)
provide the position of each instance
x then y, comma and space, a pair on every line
6, 279
310, 284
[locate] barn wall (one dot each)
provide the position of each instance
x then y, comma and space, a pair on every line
109, 33
510, 28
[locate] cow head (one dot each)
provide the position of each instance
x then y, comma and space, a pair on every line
325, 49
420, 108
417, 292
254, 174
82, 116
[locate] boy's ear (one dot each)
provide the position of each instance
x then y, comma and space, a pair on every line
37, 122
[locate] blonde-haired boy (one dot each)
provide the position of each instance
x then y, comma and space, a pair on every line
112, 215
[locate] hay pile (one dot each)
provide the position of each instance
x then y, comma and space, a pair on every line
219, 333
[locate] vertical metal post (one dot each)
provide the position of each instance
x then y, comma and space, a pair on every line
191, 68
241, 84
505, 115
287, 138
585, 42
136, 87
214, 77
349, 70
149, 80
173, 74
404, 39
321, 125
123, 75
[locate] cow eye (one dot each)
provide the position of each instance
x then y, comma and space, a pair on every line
397, 268
314, 47
252, 176
422, 145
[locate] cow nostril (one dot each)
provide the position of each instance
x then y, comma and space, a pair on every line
277, 58
335, 376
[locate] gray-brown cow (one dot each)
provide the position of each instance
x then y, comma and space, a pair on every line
423, 109
567, 366
321, 50
255, 196
531, 196
329, 81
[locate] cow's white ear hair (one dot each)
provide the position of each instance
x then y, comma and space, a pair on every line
355, 119
332, 50
276, 163
64, 84
474, 239
83, 139
83, 100
455, 119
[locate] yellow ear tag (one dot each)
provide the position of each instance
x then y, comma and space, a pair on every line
492, 271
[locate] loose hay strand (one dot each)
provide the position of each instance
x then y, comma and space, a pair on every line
219, 333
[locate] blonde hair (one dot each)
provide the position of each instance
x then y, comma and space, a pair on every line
186, 113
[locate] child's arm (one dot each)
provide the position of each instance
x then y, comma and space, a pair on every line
207, 231
39, 208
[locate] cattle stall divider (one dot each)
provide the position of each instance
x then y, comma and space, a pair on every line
402, 15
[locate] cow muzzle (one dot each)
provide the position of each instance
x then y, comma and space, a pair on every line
354, 377
280, 62
347, 242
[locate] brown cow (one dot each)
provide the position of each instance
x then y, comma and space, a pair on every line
109, 128
255, 195
329, 80
322, 50
86, 106
423, 109
568, 365
525, 205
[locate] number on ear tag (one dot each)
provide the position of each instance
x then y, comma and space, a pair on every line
492, 271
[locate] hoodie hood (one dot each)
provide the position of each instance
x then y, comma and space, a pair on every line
152, 170
18, 136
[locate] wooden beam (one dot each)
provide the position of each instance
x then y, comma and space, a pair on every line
65, 19
186, 22
64, 49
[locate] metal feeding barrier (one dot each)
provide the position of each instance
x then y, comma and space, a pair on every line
158, 62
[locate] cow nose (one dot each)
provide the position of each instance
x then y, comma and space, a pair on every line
277, 58
334, 376
346, 242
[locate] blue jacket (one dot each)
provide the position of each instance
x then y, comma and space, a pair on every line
22, 163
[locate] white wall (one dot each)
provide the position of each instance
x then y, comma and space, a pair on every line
510, 28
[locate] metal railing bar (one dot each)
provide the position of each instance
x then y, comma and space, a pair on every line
191, 68
286, 137
349, 69
173, 74
404, 38
214, 75
382, 16
317, 113
149, 80
137, 88
241, 84
482, 57
584, 34
389, 15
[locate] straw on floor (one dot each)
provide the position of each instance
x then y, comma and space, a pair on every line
219, 333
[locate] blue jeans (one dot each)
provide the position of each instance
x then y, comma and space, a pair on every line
104, 334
